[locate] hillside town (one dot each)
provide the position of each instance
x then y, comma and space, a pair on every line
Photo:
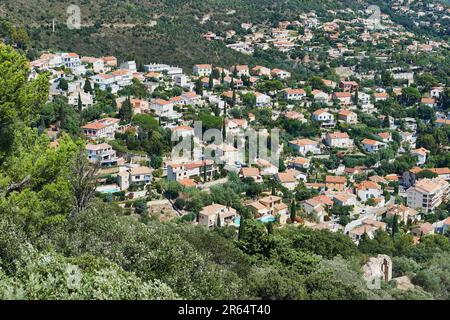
348, 161
245, 150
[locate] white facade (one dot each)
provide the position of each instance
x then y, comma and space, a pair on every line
304, 146
202, 70
262, 100
427, 194
102, 153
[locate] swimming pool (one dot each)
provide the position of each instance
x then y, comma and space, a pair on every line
265, 219
108, 189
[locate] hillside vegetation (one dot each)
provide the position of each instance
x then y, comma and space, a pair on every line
122, 28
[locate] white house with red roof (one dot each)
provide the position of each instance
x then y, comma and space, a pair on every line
103, 128
348, 85
427, 194
216, 215
202, 70
101, 153
294, 94
338, 140
190, 170
304, 146
235, 125
299, 163
103, 80
430, 102
368, 190
280, 73
371, 146
344, 98
262, 100
385, 136
182, 131
163, 108
242, 70
347, 116
320, 96
380, 96
325, 118
71, 60
421, 154
191, 98
261, 71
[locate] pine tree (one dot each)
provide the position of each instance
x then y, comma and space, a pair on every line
274, 191
222, 77
355, 98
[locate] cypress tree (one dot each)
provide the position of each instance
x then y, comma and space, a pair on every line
224, 128
395, 226
270, 227
211, 82
235, 72
233, 99
204, 171
293, 212
80, 103
218, 222
241, 233
355, 99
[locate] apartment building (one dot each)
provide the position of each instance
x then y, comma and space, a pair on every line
427, 194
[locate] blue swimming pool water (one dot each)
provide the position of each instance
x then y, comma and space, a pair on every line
110, 190
265, 219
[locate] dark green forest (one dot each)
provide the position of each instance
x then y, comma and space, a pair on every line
175, 39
